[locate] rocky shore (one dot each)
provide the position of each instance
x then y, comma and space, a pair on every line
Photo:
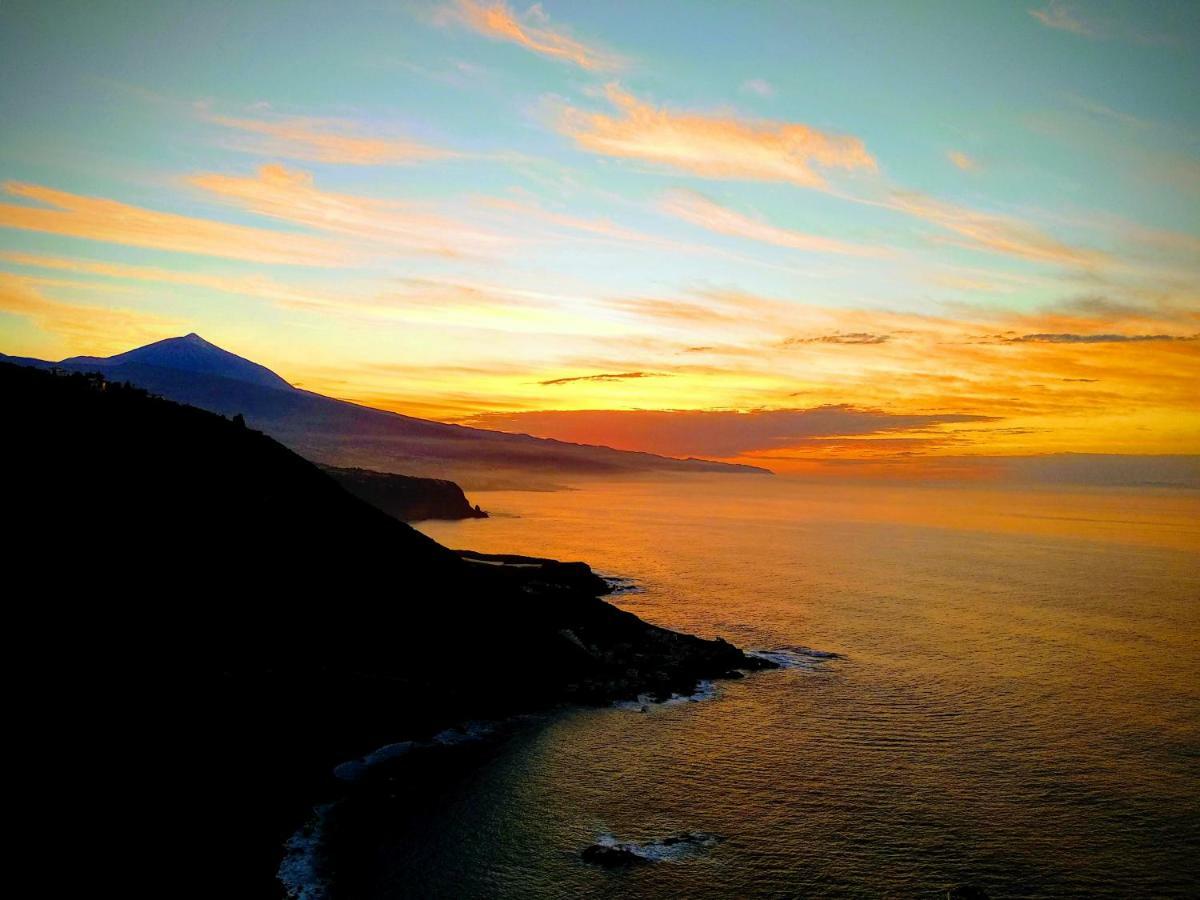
594, 655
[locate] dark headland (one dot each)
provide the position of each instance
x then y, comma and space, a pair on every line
408, 498
206, 624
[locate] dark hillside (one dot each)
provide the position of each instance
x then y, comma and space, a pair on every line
206, 623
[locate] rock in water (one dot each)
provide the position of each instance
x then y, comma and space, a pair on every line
966, 892
607, 851
612, 857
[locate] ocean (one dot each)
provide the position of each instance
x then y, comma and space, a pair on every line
986, 686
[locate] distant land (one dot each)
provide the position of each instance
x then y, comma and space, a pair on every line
213, 624
338, 433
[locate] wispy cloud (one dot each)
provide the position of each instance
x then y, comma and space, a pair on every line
1097, 338
994, 233
80, 328
533, 31
100, 219
963, 161
713, 145
853, 337
429, 301
1102, 111
1075, 20
327, 141
759, 86
715, 433
260, 286
1066, 17
291, 195
605, 377
700, 210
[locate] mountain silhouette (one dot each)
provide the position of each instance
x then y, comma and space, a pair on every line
208, 624
340, 433
190, 353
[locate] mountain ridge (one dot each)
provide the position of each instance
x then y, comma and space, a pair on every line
345, 434
190, 353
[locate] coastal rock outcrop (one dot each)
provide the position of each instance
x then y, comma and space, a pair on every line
607, 851
408, 498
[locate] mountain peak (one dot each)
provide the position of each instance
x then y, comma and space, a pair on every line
190, 353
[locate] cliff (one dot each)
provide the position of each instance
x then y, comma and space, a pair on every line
210, 623
408, 498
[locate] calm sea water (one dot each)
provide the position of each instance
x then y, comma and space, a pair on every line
1016, 703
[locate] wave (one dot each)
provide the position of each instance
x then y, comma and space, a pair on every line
299, 871
619, 584
607, 850
795, 657
356, 769
705, 690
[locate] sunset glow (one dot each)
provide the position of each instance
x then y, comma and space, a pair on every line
694, 230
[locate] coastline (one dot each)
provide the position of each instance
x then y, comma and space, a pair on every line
352, 800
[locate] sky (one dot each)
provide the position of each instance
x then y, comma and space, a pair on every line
799, 234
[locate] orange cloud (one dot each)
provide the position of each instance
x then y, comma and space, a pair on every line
714, 146
994, 233
496, 20
98, 219
328, 141
291, 196
83, 329
699, 210
248, 286
962, 161
603, 377
413, 300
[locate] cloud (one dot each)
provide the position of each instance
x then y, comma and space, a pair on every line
1107, 112
497, 21
261, 286
994, 233
713, 433
87, 329
962, 161
855, 337
419, 301
327, 141
758, 86
700, 210
623, 376
1097, 338
713, 146
715, 308
1068, 17
1065, 17
99, 219
526, 209
291, 195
